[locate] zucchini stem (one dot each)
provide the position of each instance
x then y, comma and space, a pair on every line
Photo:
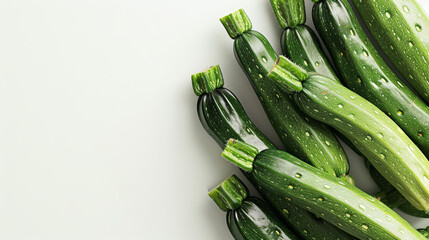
230, 194
288, 75
240, 154
289, 13
207, 81
236, 23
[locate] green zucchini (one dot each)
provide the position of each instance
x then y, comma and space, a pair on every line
364, 71
298, 41
300, 135
300, 44
248, 218
334, 200
223, 117
373, 133
401, 28
220, 112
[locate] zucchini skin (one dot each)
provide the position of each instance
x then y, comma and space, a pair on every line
334, 200
302, 136
300, 44
255, 220
401, 28
364, 71
373, 133
223, 117
404, 206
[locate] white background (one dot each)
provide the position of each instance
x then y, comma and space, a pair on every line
99, 136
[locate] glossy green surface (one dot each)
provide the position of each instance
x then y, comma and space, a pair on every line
223, 117
401, 28
255, 220
364, 71
300, 135
373, 133
391, 197
334, 200
301, 45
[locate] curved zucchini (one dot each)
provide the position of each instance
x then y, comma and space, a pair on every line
248, 218
373, 133
300, 135
364, 71
332, 199
223, 117
401, 28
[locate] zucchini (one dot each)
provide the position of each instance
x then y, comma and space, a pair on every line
220, 112
334, 200
373, 133
298, 41
223, 117
300, 44
364, 71
401, 28
300, 135
248, 218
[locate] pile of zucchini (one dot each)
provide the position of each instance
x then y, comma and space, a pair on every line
306, 190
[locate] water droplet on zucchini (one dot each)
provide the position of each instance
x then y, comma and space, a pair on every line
388, 15
418, 28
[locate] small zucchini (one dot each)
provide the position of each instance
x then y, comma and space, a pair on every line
223, 117
342, 204
221, 113
372, 132
401, 28
248, 218
364, 71
310, 140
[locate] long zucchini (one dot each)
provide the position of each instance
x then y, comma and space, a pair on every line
401, 28
223, 117
300, 135
364, 71
332, 199
373, 133
248, 218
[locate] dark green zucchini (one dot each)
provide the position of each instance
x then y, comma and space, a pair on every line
298, 42
223, 117
248, 218
300, 135
401, 28
332, 199
364, 71
373, 133
220, 112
